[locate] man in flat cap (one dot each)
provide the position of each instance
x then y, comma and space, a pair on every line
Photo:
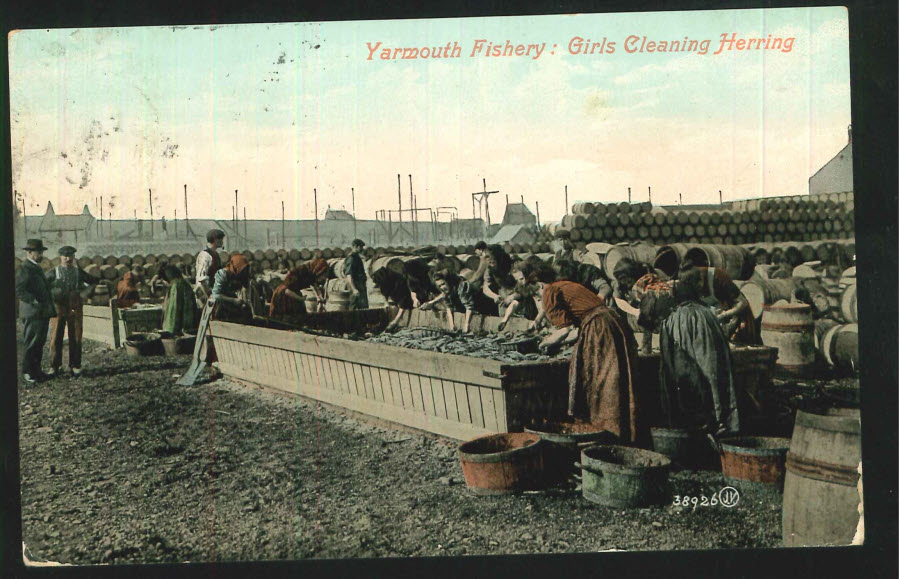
70, 287
35, 309
355, 274
208, 263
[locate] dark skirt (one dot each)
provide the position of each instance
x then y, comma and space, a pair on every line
695, 373
603, 376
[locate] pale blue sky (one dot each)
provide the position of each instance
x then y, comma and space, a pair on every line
261, 109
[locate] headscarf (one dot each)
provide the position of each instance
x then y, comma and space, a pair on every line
126, 291
650, 282
318, 267
237, 264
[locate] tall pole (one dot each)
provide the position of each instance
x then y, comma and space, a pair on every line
187, 224
236, 213
151, 212
316, 209
176, 223
567, 199
101, 215
399, 201
353, 208
629, 195
679, 199
649, 196
282, 223
537, 206
720, 196
412, 205
487, 203
245, 220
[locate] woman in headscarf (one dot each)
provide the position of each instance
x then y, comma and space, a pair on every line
448, 300
472, 297
655, 302
287, 299
524, 299
498, 279
180, 306
695, 373
394, 287
602, 372
733, 312
223, 303
127, 293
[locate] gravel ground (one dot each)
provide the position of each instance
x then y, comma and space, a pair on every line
123, 466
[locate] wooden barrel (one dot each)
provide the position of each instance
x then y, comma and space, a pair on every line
187, 258
121, 269
392, 262
258, 255
668, 257
108, 272
55, 261
849, 312
135, 260
306, 254
175, 259
294, 254
124, 260
838, 344
269, 254
93, 270
336, 267
639, 252
265, 265
820, 494
111, 260
583, 208
338, 295
789, 327
763, 292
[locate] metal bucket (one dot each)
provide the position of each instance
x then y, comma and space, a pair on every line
564, 441
624, 477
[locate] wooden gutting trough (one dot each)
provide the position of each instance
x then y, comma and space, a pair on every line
456, 396
111, 325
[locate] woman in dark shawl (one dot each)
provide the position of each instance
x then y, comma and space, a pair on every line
127, 293
602, 372
287, 299
695, 374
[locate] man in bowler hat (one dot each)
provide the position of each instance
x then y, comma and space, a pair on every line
70, 286
35, 308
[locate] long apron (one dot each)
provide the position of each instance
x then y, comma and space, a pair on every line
201, 347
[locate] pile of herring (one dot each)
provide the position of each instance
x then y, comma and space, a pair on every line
504, 347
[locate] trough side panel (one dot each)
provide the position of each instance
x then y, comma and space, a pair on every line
371, 374
437, 396
406, 391
450, 400
346, 373
365, 376
427, 396
324, 376
339, 384
487, 408
500, 409
374, 379
396, 390
385, 376
302, 363
475, 404
462, 403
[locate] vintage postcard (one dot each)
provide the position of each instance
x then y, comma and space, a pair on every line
436, 287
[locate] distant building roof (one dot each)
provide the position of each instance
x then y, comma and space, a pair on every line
518, 214
338, 214
513, 234
54, 222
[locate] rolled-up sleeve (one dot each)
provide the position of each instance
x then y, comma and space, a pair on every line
204, 260
220, 285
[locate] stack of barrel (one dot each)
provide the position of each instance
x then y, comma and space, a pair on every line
799, 218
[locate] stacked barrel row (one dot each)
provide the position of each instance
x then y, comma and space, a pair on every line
766, 220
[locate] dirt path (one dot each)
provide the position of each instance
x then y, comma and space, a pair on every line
124, 466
